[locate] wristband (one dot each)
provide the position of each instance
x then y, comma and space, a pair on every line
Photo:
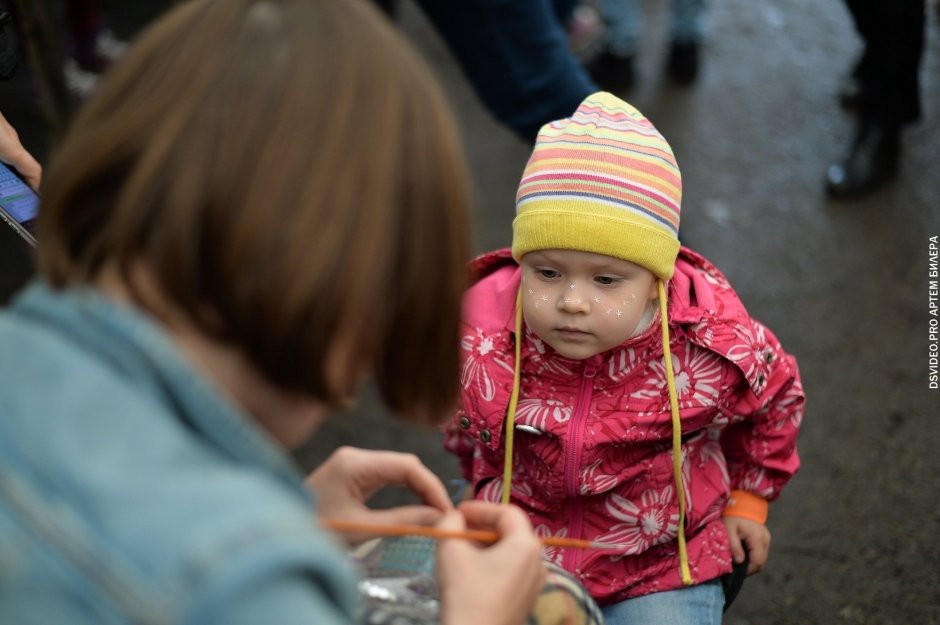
746, 506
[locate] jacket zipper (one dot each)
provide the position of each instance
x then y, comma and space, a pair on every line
572, 557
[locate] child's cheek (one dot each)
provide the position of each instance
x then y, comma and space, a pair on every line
538, 298
613, 309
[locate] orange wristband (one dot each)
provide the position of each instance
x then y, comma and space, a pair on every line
746, 506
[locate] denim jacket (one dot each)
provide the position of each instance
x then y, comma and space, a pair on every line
133, 491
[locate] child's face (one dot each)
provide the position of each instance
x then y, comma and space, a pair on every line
582, 303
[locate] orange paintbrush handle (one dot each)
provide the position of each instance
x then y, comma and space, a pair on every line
483, 536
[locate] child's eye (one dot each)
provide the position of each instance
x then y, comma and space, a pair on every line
606, 280
548, 274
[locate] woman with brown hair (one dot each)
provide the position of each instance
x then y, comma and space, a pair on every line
264, 202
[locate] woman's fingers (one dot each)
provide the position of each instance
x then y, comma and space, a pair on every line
495, 584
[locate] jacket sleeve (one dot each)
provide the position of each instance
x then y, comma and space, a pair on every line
760, 442
473, 435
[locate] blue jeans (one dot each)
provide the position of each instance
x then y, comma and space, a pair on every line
696, 605
515, 54
624, 20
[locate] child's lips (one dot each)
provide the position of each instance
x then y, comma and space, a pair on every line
572, 333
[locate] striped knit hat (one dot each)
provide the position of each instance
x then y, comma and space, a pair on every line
603, 181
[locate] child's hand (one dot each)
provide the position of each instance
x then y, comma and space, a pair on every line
750, 535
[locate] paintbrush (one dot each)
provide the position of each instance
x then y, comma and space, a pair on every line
483, 536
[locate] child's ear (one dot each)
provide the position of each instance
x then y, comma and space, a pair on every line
654, 289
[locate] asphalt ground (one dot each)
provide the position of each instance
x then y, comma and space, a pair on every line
844, 285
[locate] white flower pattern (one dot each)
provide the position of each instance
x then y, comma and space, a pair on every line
647, 522
697, 374
475, 371
595, 482
537, 411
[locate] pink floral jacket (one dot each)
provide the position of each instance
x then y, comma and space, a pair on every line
593, 439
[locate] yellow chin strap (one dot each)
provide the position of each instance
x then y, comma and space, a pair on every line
513, 401
673, 405
676, 434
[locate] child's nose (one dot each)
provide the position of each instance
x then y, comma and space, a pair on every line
573, 303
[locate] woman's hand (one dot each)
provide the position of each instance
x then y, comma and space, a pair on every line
751, 535
350, 476
495, 584
13, 153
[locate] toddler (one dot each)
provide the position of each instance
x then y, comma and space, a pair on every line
647, 410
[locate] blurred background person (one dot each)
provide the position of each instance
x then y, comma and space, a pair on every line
883, 89
90, 45
515, 54
614, 66
87, 45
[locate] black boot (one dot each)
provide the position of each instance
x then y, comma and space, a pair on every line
612, 72
872, 161
851, 94
682, 65
852, 89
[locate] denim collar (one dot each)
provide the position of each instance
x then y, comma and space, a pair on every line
140, 350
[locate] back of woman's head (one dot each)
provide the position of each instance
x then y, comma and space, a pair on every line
288, 174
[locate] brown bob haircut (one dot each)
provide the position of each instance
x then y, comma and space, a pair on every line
289, 174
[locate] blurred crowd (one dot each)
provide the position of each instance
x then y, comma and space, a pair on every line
551, 54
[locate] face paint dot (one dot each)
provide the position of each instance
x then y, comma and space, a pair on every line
633, 296
572, 286
544, 297
609, 310
597, 300
538, 304
531, 292
619, 313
